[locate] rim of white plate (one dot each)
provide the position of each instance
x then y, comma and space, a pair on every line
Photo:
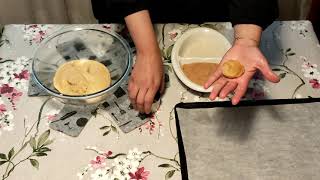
175, 58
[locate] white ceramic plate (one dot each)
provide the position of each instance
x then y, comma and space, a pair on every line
198, 45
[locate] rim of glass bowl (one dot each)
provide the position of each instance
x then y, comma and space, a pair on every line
93, 95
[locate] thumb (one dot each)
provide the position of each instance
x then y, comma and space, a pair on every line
267, 72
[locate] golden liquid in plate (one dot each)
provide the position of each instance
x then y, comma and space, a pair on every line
199, 73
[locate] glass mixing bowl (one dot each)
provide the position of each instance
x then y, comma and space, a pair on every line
77, 43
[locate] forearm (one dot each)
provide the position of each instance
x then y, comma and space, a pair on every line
141, 30
247, 34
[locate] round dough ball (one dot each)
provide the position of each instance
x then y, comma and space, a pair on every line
232, 69
81, 77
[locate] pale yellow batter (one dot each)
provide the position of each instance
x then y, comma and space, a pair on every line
81, 77
232, 69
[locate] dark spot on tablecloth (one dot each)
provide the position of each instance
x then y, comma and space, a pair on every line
92, 57
79, 46
143, 116
81, 122
166, 78
67, 57
107, 62
105, 104
119, 92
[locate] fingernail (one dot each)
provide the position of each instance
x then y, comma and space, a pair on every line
234, 102
212, 98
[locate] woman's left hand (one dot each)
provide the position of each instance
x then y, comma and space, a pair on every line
252, 59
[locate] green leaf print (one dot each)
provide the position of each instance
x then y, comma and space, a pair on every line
34, 163
11, 153
43, 138
170, 174
3, 156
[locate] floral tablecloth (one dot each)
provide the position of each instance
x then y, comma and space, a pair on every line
30, 150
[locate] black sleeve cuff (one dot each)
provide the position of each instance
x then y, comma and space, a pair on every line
262, 23
261, 13
116, 10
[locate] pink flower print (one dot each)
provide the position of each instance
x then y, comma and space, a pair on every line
99, 162
107, 154
38, 38
315, 83
2, 108
5, 89
107, 26
140, 174
174, 34
33, 26
14, 96
23, 75
307, 65
257, 94
150, 126
41, 33
51, 117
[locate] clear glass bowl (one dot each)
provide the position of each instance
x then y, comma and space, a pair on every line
77, 43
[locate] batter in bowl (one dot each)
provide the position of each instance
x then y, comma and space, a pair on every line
81, 77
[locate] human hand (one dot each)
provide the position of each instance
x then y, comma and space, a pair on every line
147, 78
249, 55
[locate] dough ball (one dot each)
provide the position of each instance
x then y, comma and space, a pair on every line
81, 77
232, 69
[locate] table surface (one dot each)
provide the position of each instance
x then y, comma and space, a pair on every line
28, 148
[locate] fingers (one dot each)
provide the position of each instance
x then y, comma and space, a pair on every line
216, 75
216, 87
267, 72
148, 100
133, 93
240, 92
230, 87
142, 96
141, 99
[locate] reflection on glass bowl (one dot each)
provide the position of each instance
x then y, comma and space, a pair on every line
78, 43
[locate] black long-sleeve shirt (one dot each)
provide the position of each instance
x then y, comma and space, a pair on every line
259, 12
